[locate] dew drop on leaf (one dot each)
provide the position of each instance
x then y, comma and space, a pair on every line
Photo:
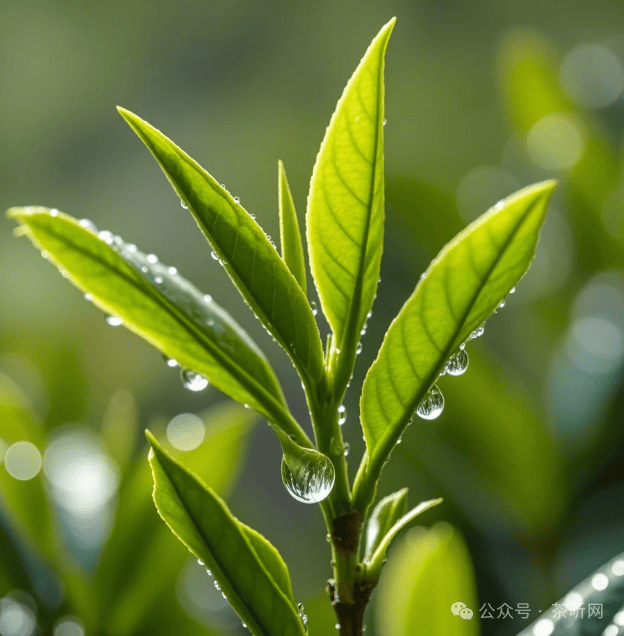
457, 363
183, 205
477, 333
88, 297
512, 290
114, 321
106, 236
193, 381
170, 362
358, 349
342, 414
308, 476
89, 225
313, 307
432, 404
152, 258
236, 199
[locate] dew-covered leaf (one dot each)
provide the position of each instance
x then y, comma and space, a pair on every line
428, 572
202, 521
377, 559
151, 555
464, 284
592, 608
345, 214
248, 256
156, 303
290, 235
384, 515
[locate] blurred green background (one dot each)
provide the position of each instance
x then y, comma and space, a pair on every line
482, 97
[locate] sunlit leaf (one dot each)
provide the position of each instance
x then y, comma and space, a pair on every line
378, 557
463, 285
158, 305
290, 235
151, 555
389, 510
345, 214
204, 524
589, 609
250, 260
427, 573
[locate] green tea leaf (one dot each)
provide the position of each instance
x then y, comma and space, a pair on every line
384, 515
346, 203
250, 260
377, 559
602, 592
272, 561
290, 235
428, 572
201, 520
463, 285
158, 305
151, 555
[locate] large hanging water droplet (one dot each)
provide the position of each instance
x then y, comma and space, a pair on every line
193, 381
457, 363
307, 474
432, 404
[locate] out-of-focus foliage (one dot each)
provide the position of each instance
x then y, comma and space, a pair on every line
528, 451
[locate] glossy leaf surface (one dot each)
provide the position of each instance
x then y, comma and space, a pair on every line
160, 306
290, 234
249, 258
389, 510
463, 285
201, 520
346, 203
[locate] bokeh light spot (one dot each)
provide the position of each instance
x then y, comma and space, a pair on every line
22, 461
556, 142
186, 431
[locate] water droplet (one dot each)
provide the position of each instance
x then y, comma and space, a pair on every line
512, 290
477, 333
170, 362
214, 255
88, 225
457, 363
236, 199
44, 254
358, 349
307, 474
114, 321
54, 212
158, 280
88, 297
385, 121
313, 307
217, 585
328, 537
253, 216
432, 404
207, 298
502, 304
399, 441
337, 625
183, 204
173, 271
342, 414
345, 449
268, 237
200, 562
208, 572
106, 236
193, 381
145, 269
152, 258
302, 615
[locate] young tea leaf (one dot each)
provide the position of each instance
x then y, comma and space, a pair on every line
376, 561
601, 597
202, 521
389, 510
249, 258
464, 284
290, 235
158, 305
345, 207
